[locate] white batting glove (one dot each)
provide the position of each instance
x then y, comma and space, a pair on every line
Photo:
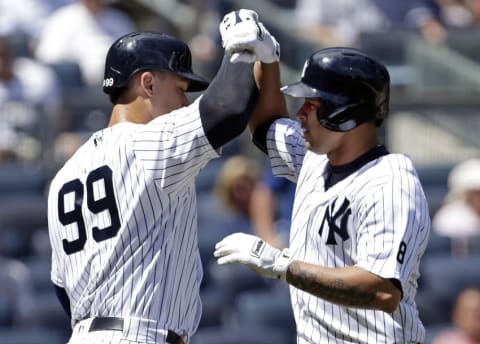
255, 253
245, 39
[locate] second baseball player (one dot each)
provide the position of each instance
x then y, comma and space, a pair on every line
360, 221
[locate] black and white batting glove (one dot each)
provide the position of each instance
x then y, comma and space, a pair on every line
254, 253
245, 39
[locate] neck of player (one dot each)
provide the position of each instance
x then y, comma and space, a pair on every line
353, 144
135, 111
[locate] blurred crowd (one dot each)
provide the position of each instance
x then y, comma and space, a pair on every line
51, 67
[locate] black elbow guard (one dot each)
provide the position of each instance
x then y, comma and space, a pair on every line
228, 102
260, 136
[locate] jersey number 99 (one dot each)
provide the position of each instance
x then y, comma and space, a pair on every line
106, 203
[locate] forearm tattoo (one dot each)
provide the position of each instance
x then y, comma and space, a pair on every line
334, 290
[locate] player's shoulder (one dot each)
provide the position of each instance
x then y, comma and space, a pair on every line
80, 157
69, 166
182, 118
286, 124
398, 164
315, 161
389, 169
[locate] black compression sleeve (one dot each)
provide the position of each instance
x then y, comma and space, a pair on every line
228, 102
64, 300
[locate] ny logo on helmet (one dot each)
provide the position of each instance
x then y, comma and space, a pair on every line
179, 61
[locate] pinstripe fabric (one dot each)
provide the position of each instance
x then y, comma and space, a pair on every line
151, 268
387, 228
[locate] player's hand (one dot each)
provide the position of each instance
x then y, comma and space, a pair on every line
253, 252
245, 39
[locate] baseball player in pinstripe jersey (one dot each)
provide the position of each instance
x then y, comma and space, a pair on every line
122, 210
360, 221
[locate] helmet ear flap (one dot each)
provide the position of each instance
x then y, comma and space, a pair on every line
346, 117
383, 108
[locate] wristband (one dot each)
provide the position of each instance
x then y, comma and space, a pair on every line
282, 262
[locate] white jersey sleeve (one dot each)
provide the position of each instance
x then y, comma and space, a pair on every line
394, 225
286, 148
173, 147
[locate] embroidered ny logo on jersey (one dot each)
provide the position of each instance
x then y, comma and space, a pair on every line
336, 220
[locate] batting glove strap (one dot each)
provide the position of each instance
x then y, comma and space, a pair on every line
282, 263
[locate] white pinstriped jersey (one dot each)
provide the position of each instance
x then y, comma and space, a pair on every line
377, 218
123, 223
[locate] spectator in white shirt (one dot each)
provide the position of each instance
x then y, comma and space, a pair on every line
459, 217
82, 32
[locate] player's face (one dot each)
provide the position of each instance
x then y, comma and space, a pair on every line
169, 93
317, 138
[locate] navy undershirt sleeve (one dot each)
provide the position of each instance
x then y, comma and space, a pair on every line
64, 300
260, 135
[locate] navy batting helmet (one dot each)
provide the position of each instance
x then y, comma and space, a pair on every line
148, 50
353, 87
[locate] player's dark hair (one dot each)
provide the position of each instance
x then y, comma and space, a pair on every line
116, 94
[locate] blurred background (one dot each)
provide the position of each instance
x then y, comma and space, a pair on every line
51, 68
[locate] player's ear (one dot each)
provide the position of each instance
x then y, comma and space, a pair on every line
146, 82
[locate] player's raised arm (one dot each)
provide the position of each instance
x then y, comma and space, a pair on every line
227, 104
271, 102
246, 40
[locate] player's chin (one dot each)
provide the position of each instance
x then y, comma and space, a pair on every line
308, 145
316, 148
308, 141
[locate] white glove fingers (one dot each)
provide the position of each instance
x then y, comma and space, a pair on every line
223, 251
246, 33
231, 240
238, 48
241, 30
231, 258
246, 14
233, 19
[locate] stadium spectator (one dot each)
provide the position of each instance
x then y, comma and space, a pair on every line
465, 320
26, 21
340, 22
28, 90
459, 216
457, 13
272, 205
16, 294
237, 184
82, 32
337, 23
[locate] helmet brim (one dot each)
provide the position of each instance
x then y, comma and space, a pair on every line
303, 90
300, 90
196, 82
